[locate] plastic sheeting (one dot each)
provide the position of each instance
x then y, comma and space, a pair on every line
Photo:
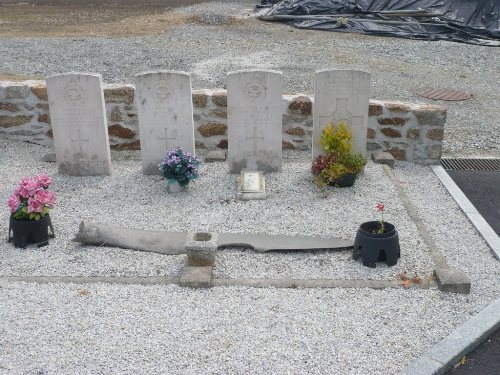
467, 21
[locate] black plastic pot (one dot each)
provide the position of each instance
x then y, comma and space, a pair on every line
346, 180
31, 231
373, 247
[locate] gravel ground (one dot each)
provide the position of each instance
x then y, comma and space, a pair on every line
108, 329
217, 44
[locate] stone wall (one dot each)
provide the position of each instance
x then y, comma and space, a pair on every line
411, 132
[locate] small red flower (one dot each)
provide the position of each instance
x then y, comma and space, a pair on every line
380, 207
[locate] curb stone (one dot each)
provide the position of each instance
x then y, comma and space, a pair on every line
468, 208
446, 353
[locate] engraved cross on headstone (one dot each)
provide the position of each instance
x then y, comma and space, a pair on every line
166, 138
255, 138
80, 141
341, 114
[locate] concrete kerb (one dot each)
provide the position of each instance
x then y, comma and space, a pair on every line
468, 208
446, 353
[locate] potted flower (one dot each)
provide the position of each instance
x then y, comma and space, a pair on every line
29, 205
377, 241
339, 166
179, 168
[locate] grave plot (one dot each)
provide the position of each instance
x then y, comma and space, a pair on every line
293, 206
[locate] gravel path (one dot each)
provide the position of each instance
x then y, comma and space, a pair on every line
105, 329
217, 44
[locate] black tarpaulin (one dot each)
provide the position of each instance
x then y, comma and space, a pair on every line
467, 21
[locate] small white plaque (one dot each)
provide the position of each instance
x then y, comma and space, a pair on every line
251, 182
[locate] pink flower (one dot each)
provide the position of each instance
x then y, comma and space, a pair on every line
43, 179
380, 207
46, 198
34, 205
13, 203
28, 187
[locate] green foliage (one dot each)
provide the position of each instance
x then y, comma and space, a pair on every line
338, 161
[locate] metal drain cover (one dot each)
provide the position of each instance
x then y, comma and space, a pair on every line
471, 164
445, 94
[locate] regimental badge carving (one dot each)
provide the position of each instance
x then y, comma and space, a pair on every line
255, 89
162, 90
74, 93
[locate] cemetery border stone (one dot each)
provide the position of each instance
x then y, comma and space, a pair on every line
79, 124
254, 112
341, 96
165, 114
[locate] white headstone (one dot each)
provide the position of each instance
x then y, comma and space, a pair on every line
341, 96
254, 100
79, 124
165, 110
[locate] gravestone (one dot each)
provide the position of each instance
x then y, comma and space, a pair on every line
341, 96
251, 185
165, 112
79, 125
254, 100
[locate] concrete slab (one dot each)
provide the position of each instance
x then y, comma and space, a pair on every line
382, 157
196, 277
452, 281
216, 156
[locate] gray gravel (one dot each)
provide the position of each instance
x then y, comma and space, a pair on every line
108, 329
400, 67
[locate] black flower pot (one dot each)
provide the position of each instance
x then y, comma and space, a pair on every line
346, 180
373, 247
31, 231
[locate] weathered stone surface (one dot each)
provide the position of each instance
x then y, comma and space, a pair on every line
264, 242
198, 145
116, 114
301, 105
215, 156
428, 151
220, 99
49, 158
212, 128
165, 109
223, 144
78, 119
119, 94
431, 115
395, 121
49, 133
217, 113
398, 107
17, 91
171, 243
375, 109
10, 107
200, 99
413, 134
40, 92
452, 281
44, 106
341, 96
135, 145
11, 121
390, 132
287, 145
196, 277
371, 133
398, 153
298, 132
435, 134
381, 157
45, 117
117, 130
254, 118
201, 248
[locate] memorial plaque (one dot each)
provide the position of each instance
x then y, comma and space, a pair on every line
79, 124
341, 96
254, 100
251, 185
165, 113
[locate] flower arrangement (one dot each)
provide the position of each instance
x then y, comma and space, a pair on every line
339, 160
31, 199
179, 166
